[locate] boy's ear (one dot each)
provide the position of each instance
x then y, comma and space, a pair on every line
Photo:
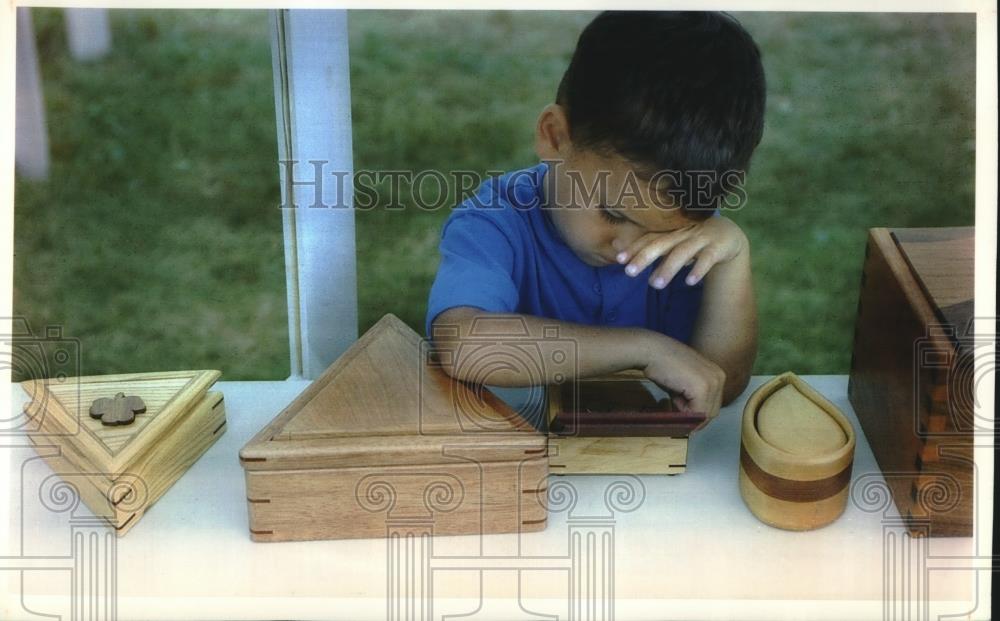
552, 140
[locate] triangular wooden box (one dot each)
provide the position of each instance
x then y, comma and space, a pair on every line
616, 424
120, 471
385, 443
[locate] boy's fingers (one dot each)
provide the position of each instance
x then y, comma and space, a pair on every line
680, 256
704, 402
649, 254
634, 250
706, 260
648, 248
646, 256
682, 403
697, 403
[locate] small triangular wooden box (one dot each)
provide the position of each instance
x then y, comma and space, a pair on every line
616, 424
120, 471
385, 442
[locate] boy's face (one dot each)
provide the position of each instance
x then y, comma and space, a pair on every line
600, 206
597, 202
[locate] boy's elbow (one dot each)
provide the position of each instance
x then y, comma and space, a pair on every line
445, 344
470, 367
447, 332
467, 359
444, 359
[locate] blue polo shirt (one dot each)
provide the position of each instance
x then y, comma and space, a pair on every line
501, 252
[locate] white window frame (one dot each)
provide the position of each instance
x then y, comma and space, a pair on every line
312, 97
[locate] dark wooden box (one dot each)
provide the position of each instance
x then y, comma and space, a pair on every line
621, 423
912, 369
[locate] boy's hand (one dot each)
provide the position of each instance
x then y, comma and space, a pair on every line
696, 381
716, 240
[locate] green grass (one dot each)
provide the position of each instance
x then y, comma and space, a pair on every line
157, 240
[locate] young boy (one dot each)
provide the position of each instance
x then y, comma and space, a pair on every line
615, 240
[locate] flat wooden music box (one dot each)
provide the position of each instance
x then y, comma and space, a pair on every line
386, 442
617, 424
912, 372
121, 441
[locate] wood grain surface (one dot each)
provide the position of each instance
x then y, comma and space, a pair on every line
384, 412
903, 383
61, 408
792, 422
617, 424
617, 406
801, 489
449, 499
122, 497
942, 261
617, 455
383, 386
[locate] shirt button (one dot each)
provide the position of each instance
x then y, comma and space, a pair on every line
597, 287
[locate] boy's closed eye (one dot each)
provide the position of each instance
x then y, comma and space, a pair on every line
612, 216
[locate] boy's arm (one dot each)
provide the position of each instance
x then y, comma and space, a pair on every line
485, 357
726, 328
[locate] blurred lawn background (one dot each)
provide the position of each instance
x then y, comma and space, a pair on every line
157, 239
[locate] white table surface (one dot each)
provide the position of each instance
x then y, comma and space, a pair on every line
691, 541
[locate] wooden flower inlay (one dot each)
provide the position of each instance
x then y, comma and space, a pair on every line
120, 410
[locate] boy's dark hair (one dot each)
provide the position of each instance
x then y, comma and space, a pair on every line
669, 91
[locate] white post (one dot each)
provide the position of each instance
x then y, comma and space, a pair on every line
88, 33
313, 107
31, 139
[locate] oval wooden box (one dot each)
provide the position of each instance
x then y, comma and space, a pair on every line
794, 489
